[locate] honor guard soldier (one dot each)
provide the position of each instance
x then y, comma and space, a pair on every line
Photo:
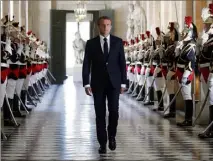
149, 69
169, 67
6, 52
127, 57
159, 81
131, 67
137, 68
185, 54
205, 58
141, 93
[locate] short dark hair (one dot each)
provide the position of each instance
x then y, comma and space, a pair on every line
103, 18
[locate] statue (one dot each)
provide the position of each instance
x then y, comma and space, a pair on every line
138, 16
79, 47
130, 23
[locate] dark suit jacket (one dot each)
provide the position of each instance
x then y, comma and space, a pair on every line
95, 65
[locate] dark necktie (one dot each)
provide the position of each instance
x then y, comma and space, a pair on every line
105, 49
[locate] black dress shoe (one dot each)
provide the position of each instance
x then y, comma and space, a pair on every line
158, 109
185, 123
148, 103
112, 144
205, 135
102, 149
169, 115
140, 99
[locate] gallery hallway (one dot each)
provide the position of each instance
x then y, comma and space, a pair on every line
62, 127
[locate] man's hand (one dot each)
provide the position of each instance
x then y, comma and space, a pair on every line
88, 91
122, 90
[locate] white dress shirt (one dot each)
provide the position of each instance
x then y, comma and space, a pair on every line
102, 47
102, 42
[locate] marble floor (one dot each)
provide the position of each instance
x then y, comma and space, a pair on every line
62, 127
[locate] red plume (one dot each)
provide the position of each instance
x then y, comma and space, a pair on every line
29, 32
148, 33
142, 36
188, 20
137, 40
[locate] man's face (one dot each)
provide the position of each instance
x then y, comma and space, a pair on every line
104, 27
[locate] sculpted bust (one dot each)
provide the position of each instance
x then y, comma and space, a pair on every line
78, 46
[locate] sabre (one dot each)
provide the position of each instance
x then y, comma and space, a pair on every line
51, 75
161, 99
202, 108
207, 95
208, 127
48, 81
178, 91
30, 96
149, 90
141, 88
130, 87
35, 92
13, 118
21, 102
4, 137
137, 85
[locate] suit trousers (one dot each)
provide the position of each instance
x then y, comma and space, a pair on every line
112, 95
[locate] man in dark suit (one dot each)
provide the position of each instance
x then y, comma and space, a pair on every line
104, 59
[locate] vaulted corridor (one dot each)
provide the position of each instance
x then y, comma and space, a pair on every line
62, 127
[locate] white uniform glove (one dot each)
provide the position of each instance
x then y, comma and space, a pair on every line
169, 75
185, 77
157, 70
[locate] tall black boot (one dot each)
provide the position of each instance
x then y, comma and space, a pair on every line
142, 95
23, 99
6, 113
172, 109
36, 89
16, 107
159, 95
188, 114
151, 97
136, 91
209, 133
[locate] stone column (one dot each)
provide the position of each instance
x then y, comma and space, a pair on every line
5, 8
16, 11
199, 5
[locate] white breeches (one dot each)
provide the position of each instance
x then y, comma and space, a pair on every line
138, 77
19, 85
128, 72
149, 81
186, 91
10, 89
135, 78
33, 78
171, 86
2, 92
159, 83
26, 82
142, 78
210, 81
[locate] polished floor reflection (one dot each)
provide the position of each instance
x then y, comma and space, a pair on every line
62, 127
